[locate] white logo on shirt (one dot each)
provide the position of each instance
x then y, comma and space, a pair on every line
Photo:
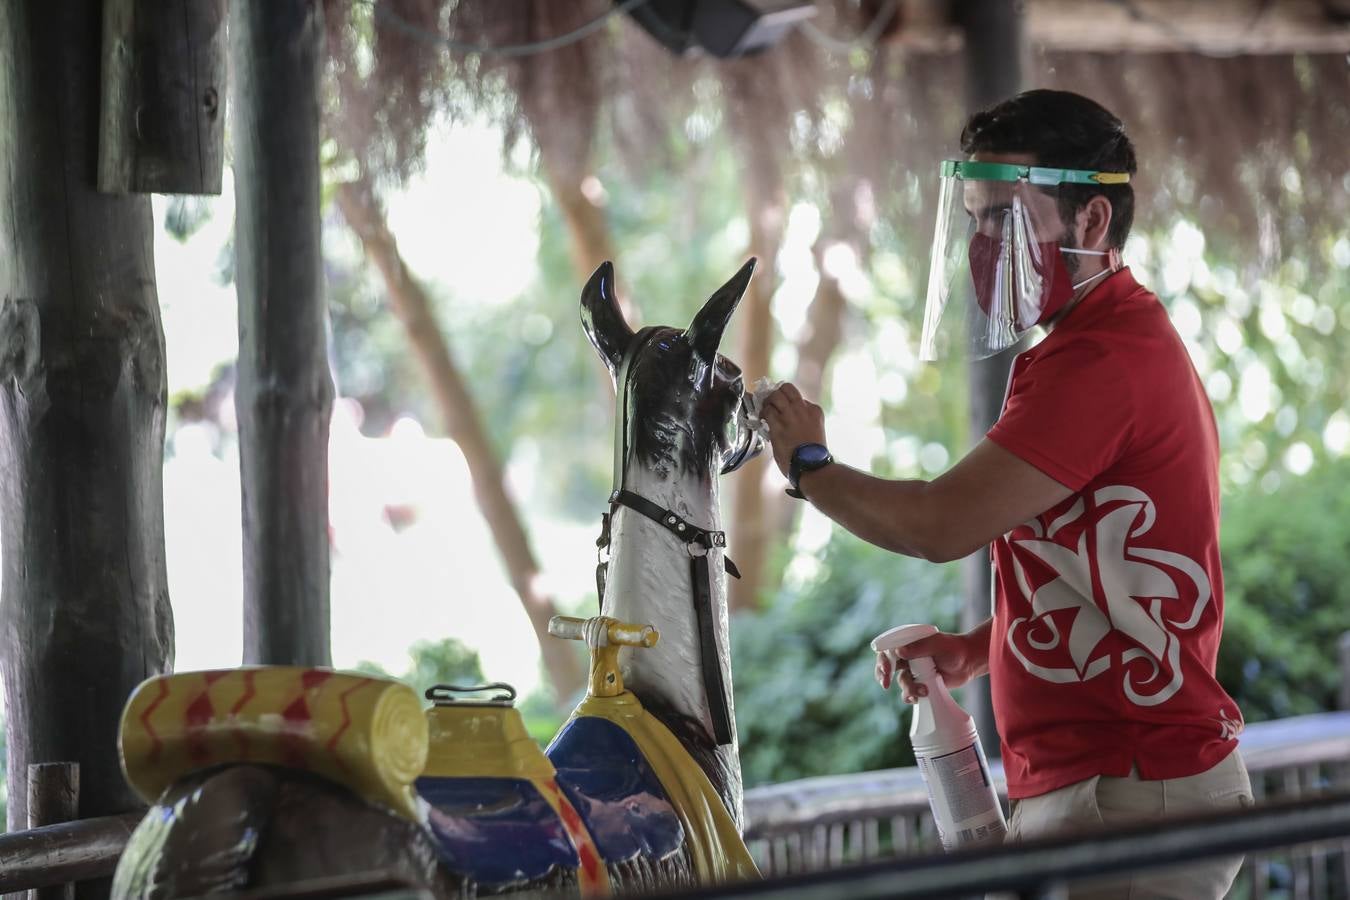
1142, 600
1230, 728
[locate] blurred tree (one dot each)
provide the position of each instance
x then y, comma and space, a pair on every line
1286, 595
807, 699
758, 117
446, 661
462, 422
556, 94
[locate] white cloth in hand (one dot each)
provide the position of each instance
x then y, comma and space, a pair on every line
754, 402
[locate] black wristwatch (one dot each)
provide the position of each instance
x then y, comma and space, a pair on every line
806, 458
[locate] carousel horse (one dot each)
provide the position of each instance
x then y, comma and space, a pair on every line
263, 776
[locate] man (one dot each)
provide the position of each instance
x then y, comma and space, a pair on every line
1097, 488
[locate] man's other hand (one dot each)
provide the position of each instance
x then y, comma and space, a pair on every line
959, 658
793, 421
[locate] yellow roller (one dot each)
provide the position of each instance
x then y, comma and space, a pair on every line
369, 734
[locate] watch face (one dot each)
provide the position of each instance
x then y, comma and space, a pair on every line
812, 454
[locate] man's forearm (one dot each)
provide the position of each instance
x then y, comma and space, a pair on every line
891, 514
979, 637
987, 493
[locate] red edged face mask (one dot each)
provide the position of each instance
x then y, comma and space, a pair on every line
1038, 290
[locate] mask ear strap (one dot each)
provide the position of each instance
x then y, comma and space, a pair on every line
1113, 260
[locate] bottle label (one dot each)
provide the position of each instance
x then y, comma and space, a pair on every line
961, 794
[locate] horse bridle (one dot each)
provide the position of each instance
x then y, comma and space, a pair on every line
697, 541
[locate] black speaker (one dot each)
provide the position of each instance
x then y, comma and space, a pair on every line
723, 28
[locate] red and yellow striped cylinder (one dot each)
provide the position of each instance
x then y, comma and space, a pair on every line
369, 734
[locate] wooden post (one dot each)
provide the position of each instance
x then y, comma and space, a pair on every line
284, 396
53, 798
84, 608
162, 122
993, 54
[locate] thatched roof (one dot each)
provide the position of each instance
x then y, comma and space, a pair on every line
1251, 146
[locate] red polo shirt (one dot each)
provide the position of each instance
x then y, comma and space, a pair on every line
1109, 606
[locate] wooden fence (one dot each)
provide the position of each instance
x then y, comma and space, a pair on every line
820, 823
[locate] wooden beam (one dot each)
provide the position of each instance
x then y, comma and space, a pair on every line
162, 117
1219, 27
69, 852
1214, 27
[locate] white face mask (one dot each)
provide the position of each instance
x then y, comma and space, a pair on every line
1113, 255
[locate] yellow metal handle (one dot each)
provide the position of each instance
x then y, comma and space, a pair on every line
624, 634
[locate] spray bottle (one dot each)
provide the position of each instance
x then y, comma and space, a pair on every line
960, 792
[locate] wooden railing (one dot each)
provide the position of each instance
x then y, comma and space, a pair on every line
821, 823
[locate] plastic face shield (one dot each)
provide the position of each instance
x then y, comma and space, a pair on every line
995, 269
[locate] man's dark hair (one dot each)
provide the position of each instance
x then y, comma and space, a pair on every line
1067, 131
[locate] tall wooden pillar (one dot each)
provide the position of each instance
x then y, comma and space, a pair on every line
84, 614
993, 54
284, 395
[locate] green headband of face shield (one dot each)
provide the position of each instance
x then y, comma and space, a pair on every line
998, 246
968, 170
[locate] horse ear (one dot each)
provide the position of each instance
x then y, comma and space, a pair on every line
706, 331
602, 319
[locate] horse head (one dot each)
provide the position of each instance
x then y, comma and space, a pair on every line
680, 398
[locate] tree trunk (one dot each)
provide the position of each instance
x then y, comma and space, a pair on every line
284, 396
750, 525
587, 230
589, 239
362, 211
85, 612
993, 51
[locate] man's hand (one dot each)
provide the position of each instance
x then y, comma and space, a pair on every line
793, 421
959, 658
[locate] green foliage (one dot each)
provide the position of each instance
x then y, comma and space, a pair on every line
370, 352
446, 661
807, 702
1286, 594
184, 214
542, 716
1267, 340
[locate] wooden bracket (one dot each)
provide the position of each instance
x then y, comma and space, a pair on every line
162, 97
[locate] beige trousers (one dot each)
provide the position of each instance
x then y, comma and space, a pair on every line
1109, 801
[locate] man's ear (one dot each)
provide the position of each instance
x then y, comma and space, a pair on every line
1095, 220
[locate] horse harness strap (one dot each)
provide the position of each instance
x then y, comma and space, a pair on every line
697, 541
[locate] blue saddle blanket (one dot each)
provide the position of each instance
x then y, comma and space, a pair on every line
496, 831
615, 791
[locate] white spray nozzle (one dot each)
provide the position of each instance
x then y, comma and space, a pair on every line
901, 635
